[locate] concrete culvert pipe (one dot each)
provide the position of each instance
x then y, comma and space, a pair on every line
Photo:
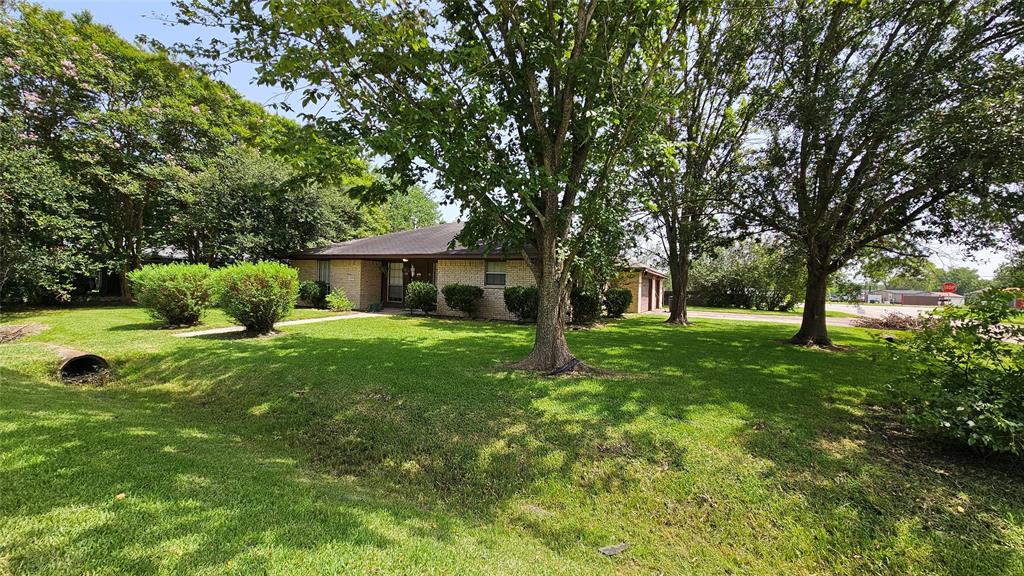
78, 364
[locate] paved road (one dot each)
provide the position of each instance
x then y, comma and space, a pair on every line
776, 318
876, 310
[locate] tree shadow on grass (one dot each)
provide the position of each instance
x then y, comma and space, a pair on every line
878, 498
143, 489
726, 440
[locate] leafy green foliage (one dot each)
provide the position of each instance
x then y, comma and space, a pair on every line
338, 300
844, 288
421, 296
407, 210
617, 301
124, 120
314, 292
962, 379
1011, 273
177, 294
257, 295
759, 275
463, 297
40, 233
522, 302
585, 307
163, 154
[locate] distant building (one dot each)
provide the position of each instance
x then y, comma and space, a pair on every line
913, 297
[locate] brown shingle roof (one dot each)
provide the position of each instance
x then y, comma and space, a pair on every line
642, 267
431, 242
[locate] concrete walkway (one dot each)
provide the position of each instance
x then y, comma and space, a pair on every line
231, 329
777, 318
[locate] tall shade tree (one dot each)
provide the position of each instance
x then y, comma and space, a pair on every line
406, 210
522, 110
119, 118
895, 119
40, 234
692, 161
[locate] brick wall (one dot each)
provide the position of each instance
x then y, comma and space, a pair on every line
345, 274
471, 272
369, 283
307, 269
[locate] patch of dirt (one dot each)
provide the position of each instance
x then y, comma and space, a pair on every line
623, 448
14, 332
902, 446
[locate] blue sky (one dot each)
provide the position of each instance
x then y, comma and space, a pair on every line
131, 18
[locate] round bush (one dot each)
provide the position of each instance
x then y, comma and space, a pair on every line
338, 300
421, 296
257, 295
177, 294
313, 292
462, 297
586, 307
522, 302
960, 375
617, 301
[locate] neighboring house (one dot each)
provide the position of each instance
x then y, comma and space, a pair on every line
646, 285
914, 297
376, 270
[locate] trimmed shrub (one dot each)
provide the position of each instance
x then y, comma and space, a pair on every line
890, 321
586, 307
617, 301
338, 300
257, 295
522, 302
314, 292
463, 297
177, 294
421, 296
963, 376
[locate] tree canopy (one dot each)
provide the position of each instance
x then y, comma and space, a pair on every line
161, 155
893, 121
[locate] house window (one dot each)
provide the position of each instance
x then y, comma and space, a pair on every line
396, 287
494, 273
323, 271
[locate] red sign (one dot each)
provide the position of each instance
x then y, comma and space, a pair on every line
949, 286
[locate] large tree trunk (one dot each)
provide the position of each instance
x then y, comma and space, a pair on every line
813, 330
550, 350
679, 265
126, 285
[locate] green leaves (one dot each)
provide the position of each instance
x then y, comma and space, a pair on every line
963, 376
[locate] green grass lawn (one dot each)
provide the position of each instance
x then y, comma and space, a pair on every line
401, 445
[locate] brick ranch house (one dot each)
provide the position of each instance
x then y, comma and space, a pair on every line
376, 270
